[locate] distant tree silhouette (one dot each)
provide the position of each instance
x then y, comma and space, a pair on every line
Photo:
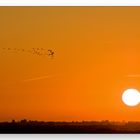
13, 121
24, 121
97, 127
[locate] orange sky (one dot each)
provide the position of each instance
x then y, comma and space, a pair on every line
96, 48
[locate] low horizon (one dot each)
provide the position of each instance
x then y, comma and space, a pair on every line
28, 120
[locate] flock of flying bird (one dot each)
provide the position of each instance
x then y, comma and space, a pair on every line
35, 51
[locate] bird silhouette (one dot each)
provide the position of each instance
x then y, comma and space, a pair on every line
51, 53
34, 51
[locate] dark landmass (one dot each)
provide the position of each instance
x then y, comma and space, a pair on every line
84, 127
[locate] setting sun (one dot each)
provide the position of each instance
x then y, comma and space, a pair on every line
131, 97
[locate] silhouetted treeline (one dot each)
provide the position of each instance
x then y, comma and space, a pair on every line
95, 127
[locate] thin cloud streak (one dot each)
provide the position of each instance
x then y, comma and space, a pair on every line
38, 78
133, 75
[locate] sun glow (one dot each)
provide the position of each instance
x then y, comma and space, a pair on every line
131, 97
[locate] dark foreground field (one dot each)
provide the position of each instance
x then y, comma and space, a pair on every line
92, 127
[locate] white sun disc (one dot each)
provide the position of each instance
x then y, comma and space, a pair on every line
131, 97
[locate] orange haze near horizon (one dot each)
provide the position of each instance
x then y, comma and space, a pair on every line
96, 49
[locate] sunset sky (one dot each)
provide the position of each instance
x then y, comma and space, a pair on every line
97, 57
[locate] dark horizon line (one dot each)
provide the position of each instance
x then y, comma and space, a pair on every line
73, 121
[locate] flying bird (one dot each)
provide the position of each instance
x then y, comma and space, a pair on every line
51, 53
36, 51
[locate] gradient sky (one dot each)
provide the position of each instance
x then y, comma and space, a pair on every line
96, 49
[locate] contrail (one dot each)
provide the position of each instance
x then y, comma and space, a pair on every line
38, 78
133, 75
